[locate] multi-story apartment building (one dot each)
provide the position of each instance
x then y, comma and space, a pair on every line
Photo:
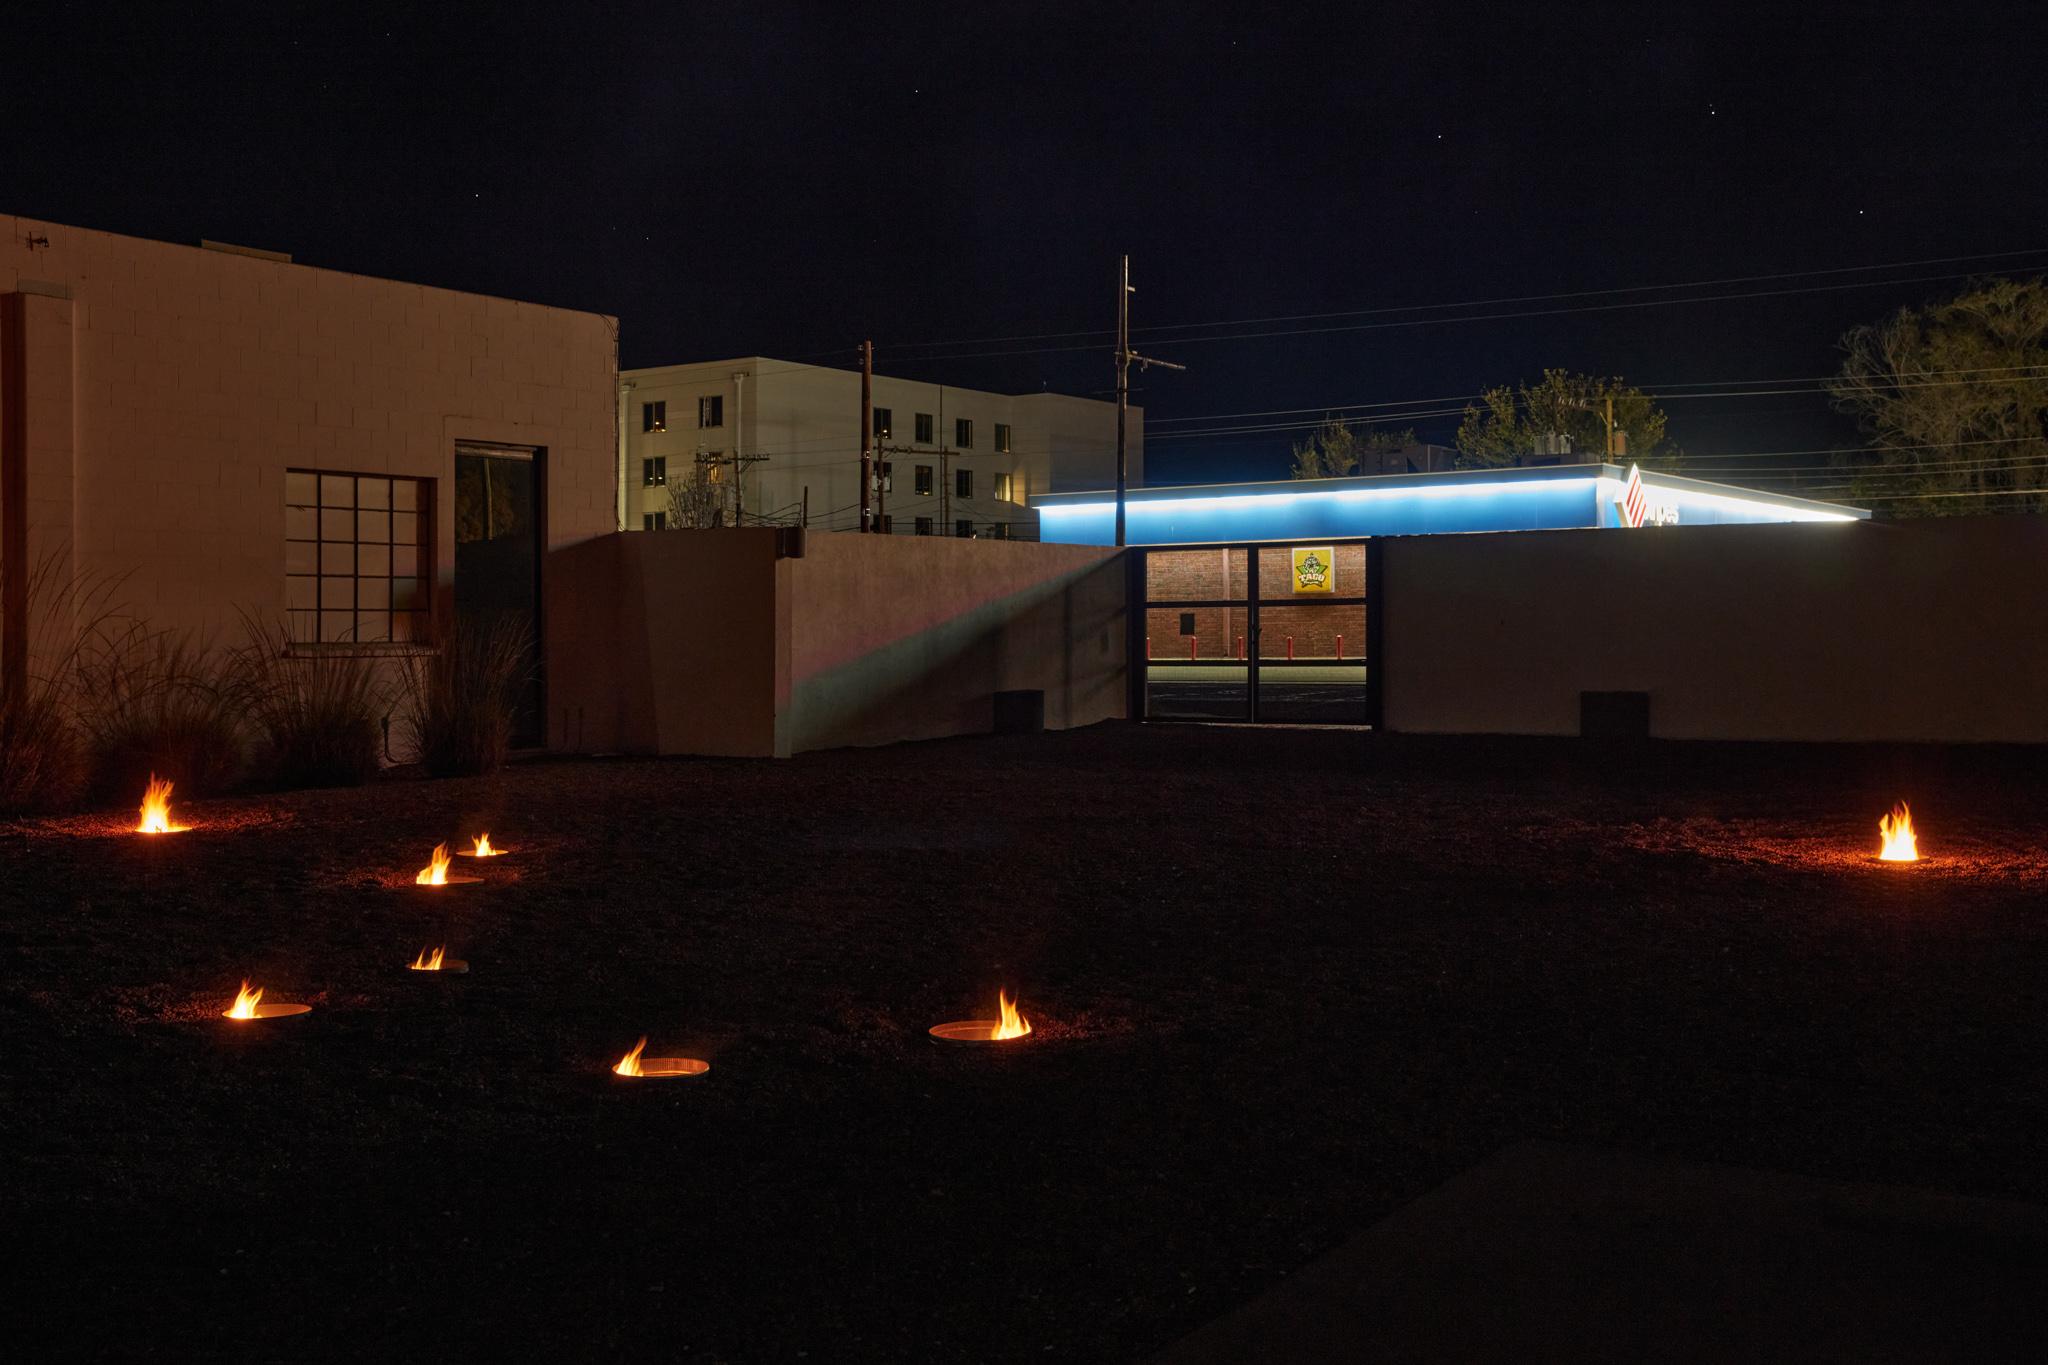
757, 440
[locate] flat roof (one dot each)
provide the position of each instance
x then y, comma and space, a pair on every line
1536, 497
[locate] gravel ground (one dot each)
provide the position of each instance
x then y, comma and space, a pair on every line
1282, 981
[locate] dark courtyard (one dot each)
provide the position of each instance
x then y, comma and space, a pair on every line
1282, 983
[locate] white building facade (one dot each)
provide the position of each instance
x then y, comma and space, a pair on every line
756, 441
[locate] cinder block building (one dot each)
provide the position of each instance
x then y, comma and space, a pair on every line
222, 430
758, 441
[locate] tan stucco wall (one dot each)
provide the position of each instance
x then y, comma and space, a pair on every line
894, 637
1928, 630
171, 388
707, 642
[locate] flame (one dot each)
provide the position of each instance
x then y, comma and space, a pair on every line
436, 872
245, 1004
156, 809
1012, 1024
629, 1065
484, 849
426, 963
1901, 845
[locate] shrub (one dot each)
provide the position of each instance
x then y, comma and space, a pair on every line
41, 763
42, 759
462, 699
156, 702
317, 715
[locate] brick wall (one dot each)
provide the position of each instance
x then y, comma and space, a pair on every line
1220, 573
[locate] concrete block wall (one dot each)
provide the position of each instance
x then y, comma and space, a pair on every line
170, 387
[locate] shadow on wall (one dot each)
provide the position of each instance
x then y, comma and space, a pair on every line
1064, 638
745, 643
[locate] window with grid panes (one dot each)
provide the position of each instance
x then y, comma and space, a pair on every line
356, 554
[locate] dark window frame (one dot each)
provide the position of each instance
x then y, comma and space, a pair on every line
654, 415
1002, 446
922, 430
924, 485
654, 471
963, 432
884, 419
924, 526
963, 483
711, 406
420, 615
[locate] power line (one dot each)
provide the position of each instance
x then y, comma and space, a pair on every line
1484, 303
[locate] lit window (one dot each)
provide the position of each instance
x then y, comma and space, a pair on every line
1002, 486
924, 479
924, 429
711, 411
713, 466
654, 416
654, 472
356, 556
1002, 438
963, 433
924, 526
883, 420
963, 483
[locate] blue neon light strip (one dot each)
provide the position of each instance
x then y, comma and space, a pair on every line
1334, 513
1401, 508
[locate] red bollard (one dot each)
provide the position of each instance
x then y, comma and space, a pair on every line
1340, 649
1193, 640
1290, 649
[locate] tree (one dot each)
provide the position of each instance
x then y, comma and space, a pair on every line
1336, 448
1508, 425
1953, 399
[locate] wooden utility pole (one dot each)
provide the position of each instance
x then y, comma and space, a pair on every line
1124, 356
867, 437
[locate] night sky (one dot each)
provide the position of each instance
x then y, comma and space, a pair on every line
788, 179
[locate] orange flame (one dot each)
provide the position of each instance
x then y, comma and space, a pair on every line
435, 873
629, 1065
426, 963
1012, 1024
156, 809
484, 849
245, 1004
1901, 845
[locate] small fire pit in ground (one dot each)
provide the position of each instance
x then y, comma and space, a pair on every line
1900, 845
438, 961
483, 849
435, 873
248, 1005
636, 1067
1011, 1025
156, 810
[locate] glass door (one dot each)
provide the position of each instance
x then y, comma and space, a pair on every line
1311, 630
1197, 631
498, 529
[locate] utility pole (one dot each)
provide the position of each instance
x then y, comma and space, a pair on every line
1610, 425
1124, 356
867, 437
739, 465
